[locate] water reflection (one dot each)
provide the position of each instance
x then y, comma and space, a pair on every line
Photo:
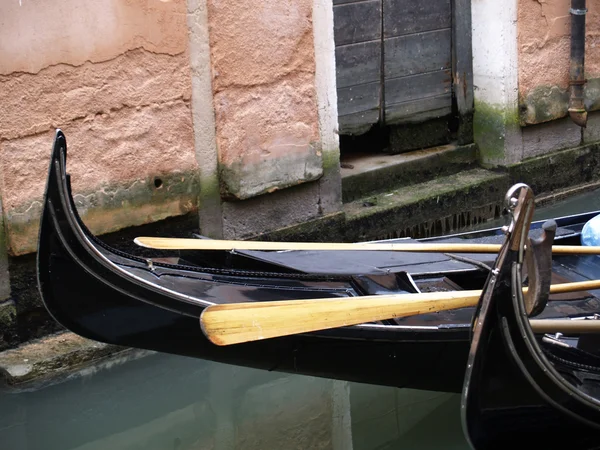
169, 402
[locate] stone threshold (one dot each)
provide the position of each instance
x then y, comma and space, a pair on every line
364, 174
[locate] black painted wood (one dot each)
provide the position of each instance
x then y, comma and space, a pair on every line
418, 53
359, 122
462, 68
362, 97
420, 110
343, 2
414, 16
358, 63
357, 22
426, 51
417, 87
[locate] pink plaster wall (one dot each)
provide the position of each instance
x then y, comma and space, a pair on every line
114, 75
263, 67
544, 43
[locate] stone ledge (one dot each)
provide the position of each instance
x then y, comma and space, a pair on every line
326, 228
365, 175
56, 358
559, 170
440, 206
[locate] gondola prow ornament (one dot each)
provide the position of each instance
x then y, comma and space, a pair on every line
521, 387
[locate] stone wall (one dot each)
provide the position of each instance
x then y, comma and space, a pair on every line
544, 41
115, 77
521, 73
273, 157
169, 107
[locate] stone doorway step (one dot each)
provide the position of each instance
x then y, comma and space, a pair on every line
367, 173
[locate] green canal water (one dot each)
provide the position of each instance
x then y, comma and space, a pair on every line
166, 402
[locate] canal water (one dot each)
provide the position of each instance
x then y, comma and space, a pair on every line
166, 402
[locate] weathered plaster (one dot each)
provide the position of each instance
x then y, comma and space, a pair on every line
42, 33
544, 49
490, 125
115, 77
544, 43
62, 93
263, 68
248, 178
124, 151
203, 116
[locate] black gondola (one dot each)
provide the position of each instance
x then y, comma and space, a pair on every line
108, 295
522, 388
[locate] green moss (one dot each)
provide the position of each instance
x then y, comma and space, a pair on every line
326, 228
331, 159
558, 170
438, 206
210, 190
546, 103
240, 180
429, 165
112, 207
8, 324
543, 104
8, 314
490, 123
592, 94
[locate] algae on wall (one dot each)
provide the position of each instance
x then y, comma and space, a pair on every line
546, 103
490, 125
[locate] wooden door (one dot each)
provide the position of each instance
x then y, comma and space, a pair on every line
399, 63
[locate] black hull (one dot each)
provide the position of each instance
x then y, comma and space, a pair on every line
87, 293
107, 295
523, 389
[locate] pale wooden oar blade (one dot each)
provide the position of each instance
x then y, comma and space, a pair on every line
453, 247
243, 322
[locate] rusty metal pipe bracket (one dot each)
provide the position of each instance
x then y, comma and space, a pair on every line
578, 12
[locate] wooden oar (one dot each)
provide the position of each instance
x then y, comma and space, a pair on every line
234, 323
216, 244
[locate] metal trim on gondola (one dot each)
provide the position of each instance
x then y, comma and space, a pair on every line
523, 388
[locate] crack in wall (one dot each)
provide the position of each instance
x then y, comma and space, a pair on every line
6, 76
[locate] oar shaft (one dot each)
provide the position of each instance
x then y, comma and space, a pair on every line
565, 326
433, 247
216, 244
243, 322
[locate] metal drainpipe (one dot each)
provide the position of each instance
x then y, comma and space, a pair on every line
577, 78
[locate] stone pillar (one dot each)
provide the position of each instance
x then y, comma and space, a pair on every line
495, 77
272, 158
203, 116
